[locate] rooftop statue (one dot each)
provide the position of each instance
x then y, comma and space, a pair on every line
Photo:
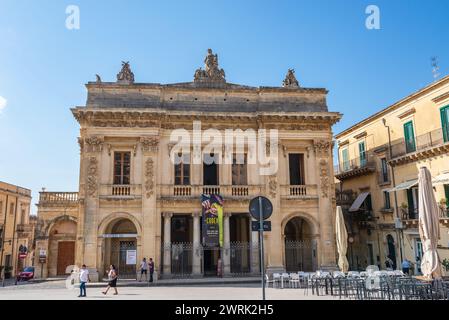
212, 72
290, 80
125, 75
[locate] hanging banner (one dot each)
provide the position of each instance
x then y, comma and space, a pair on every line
212, 220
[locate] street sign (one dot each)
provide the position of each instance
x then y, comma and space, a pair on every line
266, 226
254, 208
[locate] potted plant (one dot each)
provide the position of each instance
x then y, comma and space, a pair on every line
445, 264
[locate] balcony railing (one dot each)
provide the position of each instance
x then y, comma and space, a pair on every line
413, 214
430, 139
121, 190
58, 197
243, 191
299, 191
354, 164
24, 227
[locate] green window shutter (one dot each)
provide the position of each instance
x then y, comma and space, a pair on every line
409, 135
445, 123
446, 193
362, 153
345, 159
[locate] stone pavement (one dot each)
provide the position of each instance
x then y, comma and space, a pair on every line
56, 290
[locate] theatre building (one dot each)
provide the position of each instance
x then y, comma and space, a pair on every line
134, 201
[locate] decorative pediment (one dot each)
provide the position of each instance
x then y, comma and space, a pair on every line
290, 80
125, 75
212, 72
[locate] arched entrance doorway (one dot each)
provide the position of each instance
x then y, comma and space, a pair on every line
120, 248
391, 250
61, 247
300, 247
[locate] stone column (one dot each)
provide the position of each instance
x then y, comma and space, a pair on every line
167, 242
255, 255
326, 248
196, 250
226, 245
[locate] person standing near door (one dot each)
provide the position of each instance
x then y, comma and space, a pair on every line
84, 278
151, 268
143, 269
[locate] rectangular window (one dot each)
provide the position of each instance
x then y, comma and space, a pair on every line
345, 159
11, 208
409, 136
296, 167
239, 170
182, 170
412, 200
122, 167
362, 153
445, 123
211, 170
384, 169
446, 194
387, 204
8, 260
370, 254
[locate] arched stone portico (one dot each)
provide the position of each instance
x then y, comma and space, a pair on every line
119, 237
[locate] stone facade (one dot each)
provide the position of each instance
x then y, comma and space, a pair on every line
389, 226
16, 228
160, 218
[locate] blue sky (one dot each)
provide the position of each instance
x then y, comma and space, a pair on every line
44, 66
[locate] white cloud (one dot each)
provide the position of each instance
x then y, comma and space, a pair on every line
3, 102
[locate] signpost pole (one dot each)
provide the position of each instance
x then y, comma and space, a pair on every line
261, 247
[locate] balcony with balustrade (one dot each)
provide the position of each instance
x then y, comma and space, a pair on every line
195, 191
299, 191
430, 144
355, 167
121, 191
410, 216
58, 199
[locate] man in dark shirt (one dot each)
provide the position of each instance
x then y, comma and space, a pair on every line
151, 268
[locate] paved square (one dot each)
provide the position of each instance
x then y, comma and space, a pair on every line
56, 290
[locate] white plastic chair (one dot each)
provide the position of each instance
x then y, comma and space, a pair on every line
294, 280
276, 280
354, 274
285, 277
371, 268
338, 274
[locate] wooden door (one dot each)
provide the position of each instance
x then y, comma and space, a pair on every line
66, 256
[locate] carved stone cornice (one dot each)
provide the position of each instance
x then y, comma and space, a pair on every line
149, 144
322, 148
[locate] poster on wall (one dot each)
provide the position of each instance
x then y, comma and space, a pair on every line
212, 209
131, 256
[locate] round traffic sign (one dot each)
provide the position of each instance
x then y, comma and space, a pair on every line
254, 209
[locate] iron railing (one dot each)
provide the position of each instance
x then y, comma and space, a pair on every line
401, 147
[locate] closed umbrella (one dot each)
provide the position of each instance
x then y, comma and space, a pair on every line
429, 229
342, 240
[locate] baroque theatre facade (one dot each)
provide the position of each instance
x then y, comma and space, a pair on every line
134, 202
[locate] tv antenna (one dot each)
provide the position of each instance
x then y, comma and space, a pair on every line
435, 68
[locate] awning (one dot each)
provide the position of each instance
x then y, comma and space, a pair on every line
359, 201
405, 185
441, 179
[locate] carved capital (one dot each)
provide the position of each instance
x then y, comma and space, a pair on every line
149, 144
167, 215
92, 144
322, 148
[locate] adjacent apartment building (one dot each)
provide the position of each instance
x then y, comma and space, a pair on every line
16, 229
134, 202
378, 162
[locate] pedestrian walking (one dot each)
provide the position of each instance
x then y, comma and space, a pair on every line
143, 269
112, 280
406, 266
84, 278
151, 267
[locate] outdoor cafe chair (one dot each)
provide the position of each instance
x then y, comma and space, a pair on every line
372, 268
268, 281
353, 274
294, 280
338, 274
276, 280
285, 277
